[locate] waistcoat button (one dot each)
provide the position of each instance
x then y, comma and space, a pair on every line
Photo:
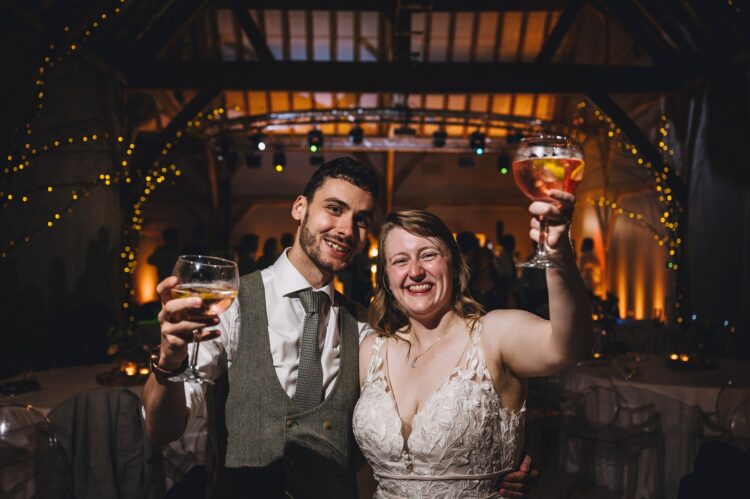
289, 422
327, 424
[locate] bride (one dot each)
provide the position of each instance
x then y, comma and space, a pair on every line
441, 413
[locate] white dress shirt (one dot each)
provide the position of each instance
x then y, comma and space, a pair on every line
282, 281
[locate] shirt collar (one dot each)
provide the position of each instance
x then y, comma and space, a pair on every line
290, 281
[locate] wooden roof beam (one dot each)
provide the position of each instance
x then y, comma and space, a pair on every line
563, 25
163, 30
254, 34
386, 77
379, 5
629, 15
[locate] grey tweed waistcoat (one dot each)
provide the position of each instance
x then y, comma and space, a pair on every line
263, 428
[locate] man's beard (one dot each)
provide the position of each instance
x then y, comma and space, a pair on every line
312, 250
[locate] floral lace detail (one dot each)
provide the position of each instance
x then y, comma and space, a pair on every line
461, 430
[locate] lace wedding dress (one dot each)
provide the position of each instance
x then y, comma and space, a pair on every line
462, 438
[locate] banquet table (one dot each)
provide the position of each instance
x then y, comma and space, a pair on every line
680, 396
57, 385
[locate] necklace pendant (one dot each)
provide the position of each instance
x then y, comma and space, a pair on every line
414, 363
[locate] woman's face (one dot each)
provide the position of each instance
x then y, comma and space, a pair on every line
420, 273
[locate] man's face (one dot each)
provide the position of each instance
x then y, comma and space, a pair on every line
334, 223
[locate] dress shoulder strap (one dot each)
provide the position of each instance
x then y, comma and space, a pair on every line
375, 369
476, 363
476, 332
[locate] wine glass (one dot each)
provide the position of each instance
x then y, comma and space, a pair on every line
543, 163
215, 281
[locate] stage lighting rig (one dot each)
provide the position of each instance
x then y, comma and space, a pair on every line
478, 142
315, 140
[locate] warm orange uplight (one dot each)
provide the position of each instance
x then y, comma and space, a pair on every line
338, 285
674, 356
684, 357
639, 292
597, 355
129, 368
143, 371
145, 278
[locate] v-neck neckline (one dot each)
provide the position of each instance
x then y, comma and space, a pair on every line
386, 372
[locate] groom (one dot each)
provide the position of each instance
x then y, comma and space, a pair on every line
284, 356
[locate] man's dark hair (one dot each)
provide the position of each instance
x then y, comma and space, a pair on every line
344, 168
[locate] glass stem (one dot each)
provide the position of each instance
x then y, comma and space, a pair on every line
197, 341
541, 248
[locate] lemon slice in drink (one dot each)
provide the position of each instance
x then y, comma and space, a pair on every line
577, 174
555, 168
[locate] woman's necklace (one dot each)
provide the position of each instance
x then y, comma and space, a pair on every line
413, 364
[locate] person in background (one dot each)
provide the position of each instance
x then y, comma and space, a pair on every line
287, 240
246, 252
361, 277
469, 245
486, 286
165, 256
499, 231
532, 289
198, 245
270, 253
590, 268
505, 263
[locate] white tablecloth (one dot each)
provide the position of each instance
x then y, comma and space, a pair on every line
679, 397
57, 385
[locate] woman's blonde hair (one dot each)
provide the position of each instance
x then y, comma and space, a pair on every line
386, 315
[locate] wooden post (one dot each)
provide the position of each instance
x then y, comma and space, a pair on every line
389, 175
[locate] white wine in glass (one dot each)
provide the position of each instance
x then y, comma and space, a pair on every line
213, 280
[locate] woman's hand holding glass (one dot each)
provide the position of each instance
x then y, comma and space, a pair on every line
547, 169
557, 214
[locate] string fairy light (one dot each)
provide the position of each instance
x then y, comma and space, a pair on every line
104, 179
616, 209
21, 159
77, 192
663, 178
160, 171
54, 54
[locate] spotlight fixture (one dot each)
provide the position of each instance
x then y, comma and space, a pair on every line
356, 134
438, 138
503, 164
477, 142
405, 131
279, 161
315, 140
258, 141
